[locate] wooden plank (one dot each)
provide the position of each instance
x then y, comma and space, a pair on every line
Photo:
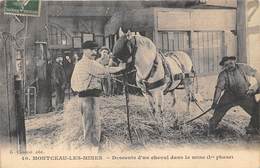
181, 20
204, 50
222, 3
165, 41
197, 19
210, 51
190, 38
215, 51
180, 39
8, 126
218, 51
187, 43
201, 53
171, 38
242, 31
20, 116
196, 48
4, 115
220, 48
254, 40
159, 40
11, 92
176, 41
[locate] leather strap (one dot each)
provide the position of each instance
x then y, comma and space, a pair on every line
153, 69
154, 85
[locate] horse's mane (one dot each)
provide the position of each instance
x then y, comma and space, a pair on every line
121, 49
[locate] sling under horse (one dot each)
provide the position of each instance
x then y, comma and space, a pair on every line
156, 74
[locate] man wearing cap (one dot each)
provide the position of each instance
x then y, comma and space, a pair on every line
105, 60
59, 82
86, 81
233, 82
104, 55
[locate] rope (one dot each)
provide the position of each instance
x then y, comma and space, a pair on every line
121, 75
205, 112
127, 107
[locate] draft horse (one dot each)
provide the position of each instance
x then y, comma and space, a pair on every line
156, 74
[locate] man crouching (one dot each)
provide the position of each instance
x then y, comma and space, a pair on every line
86, 80
234, 82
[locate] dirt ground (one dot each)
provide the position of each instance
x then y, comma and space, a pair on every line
64, 128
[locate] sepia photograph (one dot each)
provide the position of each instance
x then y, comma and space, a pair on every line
129, 83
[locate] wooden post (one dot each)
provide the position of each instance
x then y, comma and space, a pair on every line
127, 106
43, 67
20, 116
242, 31
155, 27
8, 125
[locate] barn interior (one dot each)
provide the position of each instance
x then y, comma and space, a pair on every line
205, 29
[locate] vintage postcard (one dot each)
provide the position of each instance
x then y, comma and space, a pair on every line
149, 83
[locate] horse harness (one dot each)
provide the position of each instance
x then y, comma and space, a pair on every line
167, 75
158, 83
148, 86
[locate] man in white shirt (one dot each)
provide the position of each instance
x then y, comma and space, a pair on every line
86, 80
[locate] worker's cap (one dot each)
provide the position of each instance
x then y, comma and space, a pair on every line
226, 58
90, 45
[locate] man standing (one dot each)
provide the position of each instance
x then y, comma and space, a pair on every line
59, 81
68, 68
105, 60
234, 82
86, 80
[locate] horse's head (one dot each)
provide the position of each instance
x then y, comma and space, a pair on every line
124, 48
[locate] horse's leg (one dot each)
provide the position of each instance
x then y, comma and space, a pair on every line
151, 102
173, 98
158, 97
188, 90
173, 104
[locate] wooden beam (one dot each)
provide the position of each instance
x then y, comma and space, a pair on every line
4, 113
8, 122
20, 116
242, 31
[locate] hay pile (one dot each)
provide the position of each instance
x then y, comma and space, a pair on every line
146, 132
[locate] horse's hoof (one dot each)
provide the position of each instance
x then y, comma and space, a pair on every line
175, 125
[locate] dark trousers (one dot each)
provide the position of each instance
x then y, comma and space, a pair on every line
60, 96
107, 86
228, 101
